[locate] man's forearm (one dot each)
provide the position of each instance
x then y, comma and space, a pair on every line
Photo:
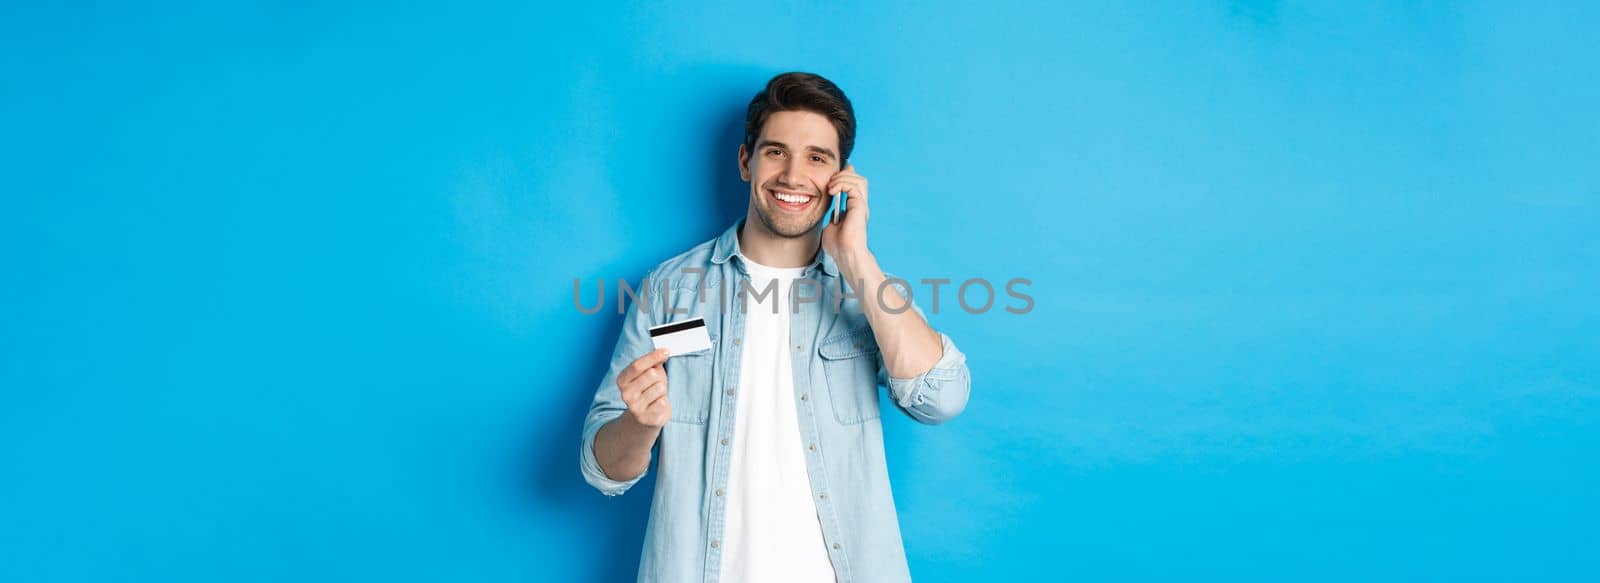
622, 447
910, 347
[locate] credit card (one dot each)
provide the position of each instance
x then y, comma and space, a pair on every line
681, 337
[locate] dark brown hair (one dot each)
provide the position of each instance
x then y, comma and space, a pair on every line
797, 91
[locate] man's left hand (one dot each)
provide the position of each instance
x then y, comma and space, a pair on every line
848, 237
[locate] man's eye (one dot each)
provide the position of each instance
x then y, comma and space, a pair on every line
816, 158
774, 152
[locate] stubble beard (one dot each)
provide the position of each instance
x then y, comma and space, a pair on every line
788, 227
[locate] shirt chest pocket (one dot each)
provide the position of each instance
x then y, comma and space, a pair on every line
850, 361
689, 386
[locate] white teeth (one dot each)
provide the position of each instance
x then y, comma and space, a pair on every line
792, 198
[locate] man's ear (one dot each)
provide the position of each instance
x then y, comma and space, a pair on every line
744, 164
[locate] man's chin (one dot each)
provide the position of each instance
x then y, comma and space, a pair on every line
788, 227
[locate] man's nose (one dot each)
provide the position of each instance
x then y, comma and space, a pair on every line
790, 175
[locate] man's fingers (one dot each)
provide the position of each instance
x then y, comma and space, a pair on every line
660, 404
854, 190
644, 363
842, 182
631, 388
854, 198
658, 401
652, 392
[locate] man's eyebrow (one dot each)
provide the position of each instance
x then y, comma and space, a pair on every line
824, 151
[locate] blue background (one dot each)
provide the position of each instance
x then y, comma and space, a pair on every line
288, 286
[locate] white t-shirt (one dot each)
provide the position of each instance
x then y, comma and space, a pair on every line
772, 531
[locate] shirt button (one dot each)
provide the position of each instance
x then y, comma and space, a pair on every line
797, 348
814, 448
715, 545
835, 546
802, 397
858, 345
724, 441
730, 392
719, 491
735, 341
824, 496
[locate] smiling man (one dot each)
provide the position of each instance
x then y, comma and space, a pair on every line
768, 445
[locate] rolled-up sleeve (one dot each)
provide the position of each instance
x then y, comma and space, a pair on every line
632, 343
937, 395
591, 466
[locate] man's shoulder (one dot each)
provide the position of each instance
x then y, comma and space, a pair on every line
686, 269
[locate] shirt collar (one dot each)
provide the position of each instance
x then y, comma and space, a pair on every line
727, 246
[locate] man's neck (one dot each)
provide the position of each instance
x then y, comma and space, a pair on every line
767, 248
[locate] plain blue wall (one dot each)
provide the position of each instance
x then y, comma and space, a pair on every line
288, 287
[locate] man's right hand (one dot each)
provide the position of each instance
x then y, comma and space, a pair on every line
644, 389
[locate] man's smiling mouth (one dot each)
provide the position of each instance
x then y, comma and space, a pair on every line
791, 201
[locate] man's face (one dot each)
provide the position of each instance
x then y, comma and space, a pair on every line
795, 155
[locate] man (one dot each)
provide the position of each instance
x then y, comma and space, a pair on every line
771, 463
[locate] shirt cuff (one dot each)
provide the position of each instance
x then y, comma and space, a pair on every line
922, 388
591, 466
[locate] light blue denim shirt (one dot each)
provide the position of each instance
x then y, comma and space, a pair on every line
837, 374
